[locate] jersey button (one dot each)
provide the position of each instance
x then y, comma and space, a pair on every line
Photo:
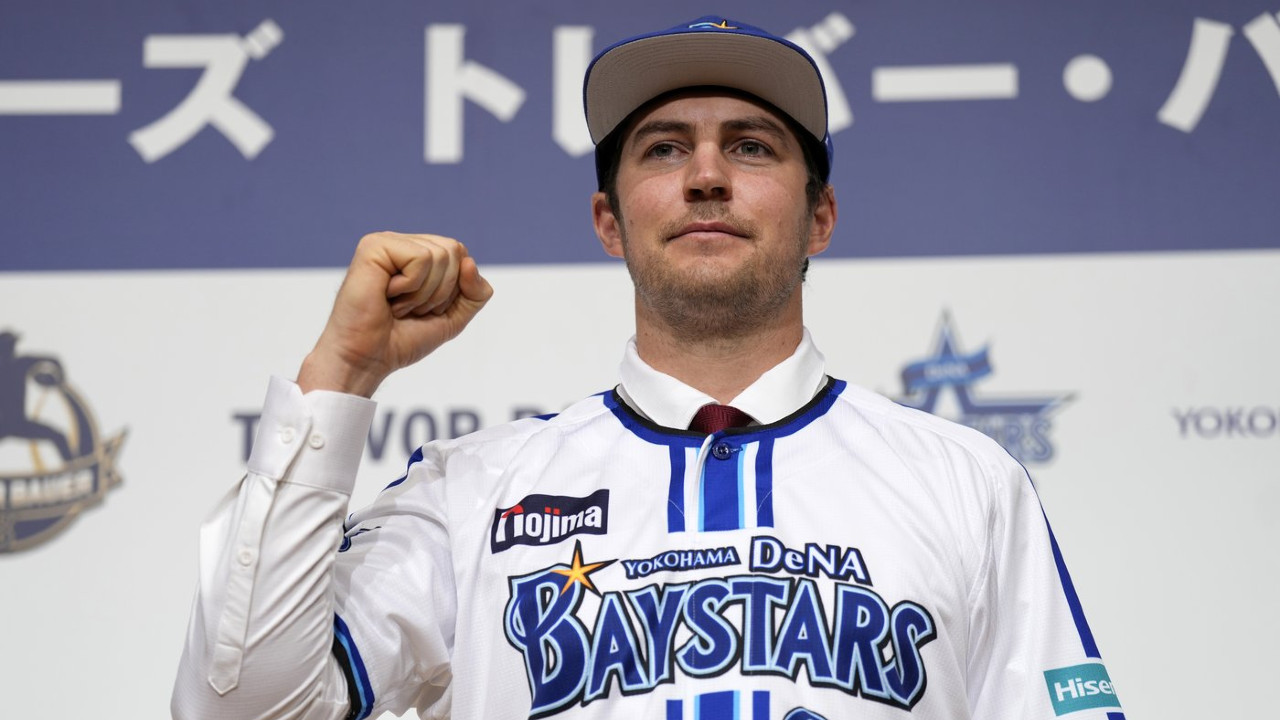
721, 450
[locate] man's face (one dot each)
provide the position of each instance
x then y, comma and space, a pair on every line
712, 215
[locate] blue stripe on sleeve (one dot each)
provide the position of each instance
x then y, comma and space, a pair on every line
1069, 590
353, 665
1073, 600
415, 458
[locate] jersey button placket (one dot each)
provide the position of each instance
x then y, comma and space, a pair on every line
722, 450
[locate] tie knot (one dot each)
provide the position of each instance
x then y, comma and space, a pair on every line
713, 418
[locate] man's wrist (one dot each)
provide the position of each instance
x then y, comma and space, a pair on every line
319, 374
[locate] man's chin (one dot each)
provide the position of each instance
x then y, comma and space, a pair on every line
708, 293
711, 270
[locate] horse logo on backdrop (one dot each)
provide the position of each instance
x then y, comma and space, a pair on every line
53, 462
1021, 425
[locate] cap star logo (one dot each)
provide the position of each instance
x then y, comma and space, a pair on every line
1021, 425
722, 25
580, 572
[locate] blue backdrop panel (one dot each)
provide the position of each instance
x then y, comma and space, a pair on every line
342, 88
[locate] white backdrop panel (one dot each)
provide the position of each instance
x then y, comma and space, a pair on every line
1168, 533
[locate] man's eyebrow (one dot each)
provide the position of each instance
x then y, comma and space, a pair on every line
756, 123
751, 123
661, 127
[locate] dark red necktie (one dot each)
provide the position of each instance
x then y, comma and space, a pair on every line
714, 418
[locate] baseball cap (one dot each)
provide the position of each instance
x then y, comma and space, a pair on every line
709, 51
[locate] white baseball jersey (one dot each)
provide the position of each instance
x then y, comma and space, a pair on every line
853, 559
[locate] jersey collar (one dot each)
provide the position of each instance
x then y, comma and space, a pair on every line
779, 392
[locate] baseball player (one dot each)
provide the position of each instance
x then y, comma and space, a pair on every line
728, 533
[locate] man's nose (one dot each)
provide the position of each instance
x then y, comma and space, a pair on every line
707, 175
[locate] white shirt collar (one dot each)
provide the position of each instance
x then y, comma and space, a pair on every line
780, 391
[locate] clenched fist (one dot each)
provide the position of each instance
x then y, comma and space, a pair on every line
403, 297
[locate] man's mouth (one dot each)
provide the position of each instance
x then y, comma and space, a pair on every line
707, 230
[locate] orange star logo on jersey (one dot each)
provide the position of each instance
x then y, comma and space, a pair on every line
579, 572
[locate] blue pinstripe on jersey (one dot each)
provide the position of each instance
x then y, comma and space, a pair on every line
675, 492
722, 705
764, 484
720, 497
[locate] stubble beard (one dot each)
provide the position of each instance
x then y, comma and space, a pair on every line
701, 304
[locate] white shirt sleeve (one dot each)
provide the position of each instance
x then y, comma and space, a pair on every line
1032, 654
259, 643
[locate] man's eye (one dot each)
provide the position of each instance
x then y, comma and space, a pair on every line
662, 150
753, 148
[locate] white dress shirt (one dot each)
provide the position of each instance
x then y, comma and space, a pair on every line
777, 393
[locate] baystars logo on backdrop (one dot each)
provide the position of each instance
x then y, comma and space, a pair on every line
1020, 425
54, 462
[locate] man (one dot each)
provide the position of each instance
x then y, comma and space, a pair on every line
728, 533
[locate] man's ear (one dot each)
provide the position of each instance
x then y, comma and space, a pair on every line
824, 221
607, 224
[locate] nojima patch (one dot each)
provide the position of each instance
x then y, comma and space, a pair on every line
53, 461
548, 519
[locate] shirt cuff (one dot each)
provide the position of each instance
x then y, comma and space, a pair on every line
315, 439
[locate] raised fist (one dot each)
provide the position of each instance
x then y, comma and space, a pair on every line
403, 296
